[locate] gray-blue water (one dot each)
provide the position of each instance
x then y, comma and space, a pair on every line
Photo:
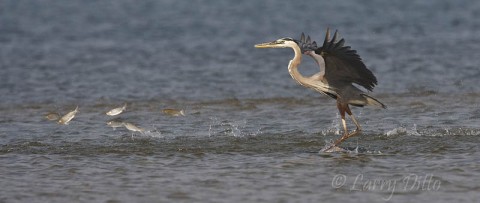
250, 134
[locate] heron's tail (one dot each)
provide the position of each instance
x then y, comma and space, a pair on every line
373, 102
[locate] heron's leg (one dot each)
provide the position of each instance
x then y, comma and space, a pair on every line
349, 112
347, 135
342, 110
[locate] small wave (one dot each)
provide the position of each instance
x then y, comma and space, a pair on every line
458, 132
433, 132
397, 131
141, 136
330, 148
403, 131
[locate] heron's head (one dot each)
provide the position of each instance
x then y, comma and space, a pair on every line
305, 44
279, 43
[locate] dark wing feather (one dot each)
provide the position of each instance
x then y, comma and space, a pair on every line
343, 64
306, 43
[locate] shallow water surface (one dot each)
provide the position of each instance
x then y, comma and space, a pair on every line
250, 133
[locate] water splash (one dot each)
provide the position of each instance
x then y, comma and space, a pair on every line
211, 126
234, 128
397, 131
153, 133
404, 131
413, 131
334, 128
230, 128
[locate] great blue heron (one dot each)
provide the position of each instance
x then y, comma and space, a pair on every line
340, 67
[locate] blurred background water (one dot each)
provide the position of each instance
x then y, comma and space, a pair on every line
250, 132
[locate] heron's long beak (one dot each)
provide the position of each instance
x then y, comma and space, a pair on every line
273, 44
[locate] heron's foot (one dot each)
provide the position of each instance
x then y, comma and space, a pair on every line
346, 136
358, 130
334, 147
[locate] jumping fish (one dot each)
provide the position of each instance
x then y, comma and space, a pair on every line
117, 111
115, 124
68, 117
174, 112
52, 116
132, 127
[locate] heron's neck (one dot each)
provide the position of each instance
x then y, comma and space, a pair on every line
293, 66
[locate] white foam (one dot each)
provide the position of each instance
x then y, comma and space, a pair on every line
154, 134
404, 131
397, 131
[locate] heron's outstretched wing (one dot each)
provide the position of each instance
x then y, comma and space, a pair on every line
343, 64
